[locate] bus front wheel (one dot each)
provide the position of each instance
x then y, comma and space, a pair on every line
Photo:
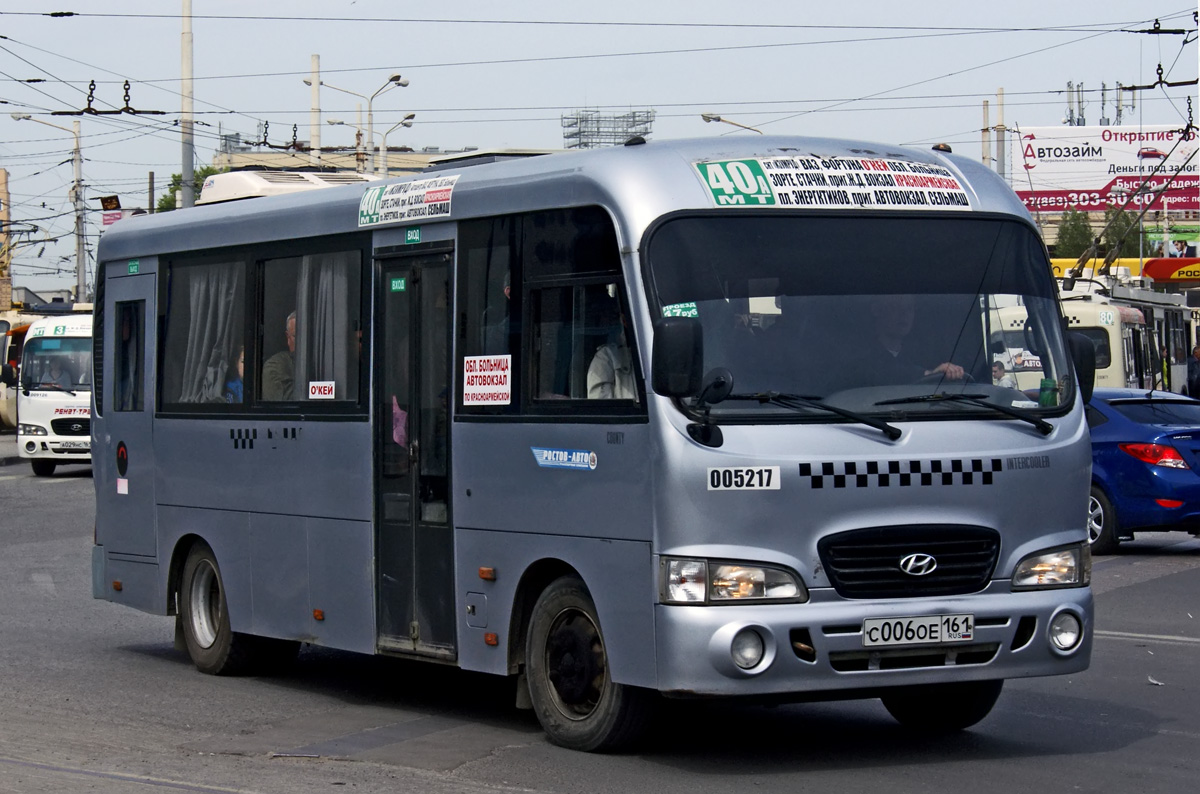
214, 647
573, 695
942, 708
43, 468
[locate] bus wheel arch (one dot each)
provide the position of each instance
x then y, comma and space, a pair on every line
566, 668
208, 637
534, 581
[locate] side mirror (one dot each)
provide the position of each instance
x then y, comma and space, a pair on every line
1083, 353
8, 376
678, 357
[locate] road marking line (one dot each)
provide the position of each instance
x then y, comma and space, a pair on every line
1127, 635
140, 779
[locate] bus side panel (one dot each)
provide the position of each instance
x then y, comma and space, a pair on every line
619, 574
279, 576
227, 533
341, 577
288, 466
300, 565
498, 465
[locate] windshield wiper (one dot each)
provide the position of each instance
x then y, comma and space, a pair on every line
1044, 427
796, 402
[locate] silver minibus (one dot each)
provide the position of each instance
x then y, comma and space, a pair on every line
681, 419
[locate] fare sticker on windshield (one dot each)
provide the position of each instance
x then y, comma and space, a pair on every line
833, 183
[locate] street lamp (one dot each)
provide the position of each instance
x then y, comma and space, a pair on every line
77, 199
404, 122
709, 117
392, 81
358, 139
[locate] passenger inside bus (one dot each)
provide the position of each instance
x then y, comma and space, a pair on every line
279, 371
610, 374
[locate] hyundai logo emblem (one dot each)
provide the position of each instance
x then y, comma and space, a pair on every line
77, 428
918, 564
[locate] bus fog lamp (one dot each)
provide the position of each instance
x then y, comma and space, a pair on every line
1065, 631
686, 581
31, 430
747, 649
1069, 567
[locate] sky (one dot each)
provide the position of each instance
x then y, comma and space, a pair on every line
502, 75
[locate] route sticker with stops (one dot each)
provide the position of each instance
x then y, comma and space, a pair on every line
816, 182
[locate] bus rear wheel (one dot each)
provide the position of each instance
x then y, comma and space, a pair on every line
43, 468
942, 708
214, 647
1102, 523
573, 695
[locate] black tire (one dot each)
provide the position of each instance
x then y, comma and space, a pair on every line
566, 667
214, 647
42, 467
942, 708
1102, 523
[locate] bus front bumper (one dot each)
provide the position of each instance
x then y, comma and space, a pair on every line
818, 646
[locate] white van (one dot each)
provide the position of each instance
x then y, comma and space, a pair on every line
54, 396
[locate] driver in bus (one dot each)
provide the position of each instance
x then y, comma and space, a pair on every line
893, 317
56, 375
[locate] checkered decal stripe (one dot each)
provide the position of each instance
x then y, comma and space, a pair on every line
900, 473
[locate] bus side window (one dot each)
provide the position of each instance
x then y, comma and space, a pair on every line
487, 286
311, 323
205, 319
129, 357
581, 346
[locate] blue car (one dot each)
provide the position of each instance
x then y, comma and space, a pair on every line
1145, 464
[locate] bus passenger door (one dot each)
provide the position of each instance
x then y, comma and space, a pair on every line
414, 541
125, 475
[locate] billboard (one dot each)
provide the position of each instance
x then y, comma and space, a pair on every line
1055, 169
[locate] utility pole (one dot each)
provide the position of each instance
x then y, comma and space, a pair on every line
986, 136
314, 120
1001, 138
187, 178
77, 195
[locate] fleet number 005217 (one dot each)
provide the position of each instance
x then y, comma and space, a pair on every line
736, 478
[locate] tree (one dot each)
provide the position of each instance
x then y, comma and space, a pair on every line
166, 202
1123, 234
1074, 234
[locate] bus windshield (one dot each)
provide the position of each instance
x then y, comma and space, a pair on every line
58, 363
868, 313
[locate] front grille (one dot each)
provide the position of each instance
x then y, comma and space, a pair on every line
71, 427
912, 658
865, 563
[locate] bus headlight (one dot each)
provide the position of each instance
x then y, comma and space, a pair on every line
1066, 567
687, 581
31, 430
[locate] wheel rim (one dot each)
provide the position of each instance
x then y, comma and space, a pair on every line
575, 663
205, 599
1095, 519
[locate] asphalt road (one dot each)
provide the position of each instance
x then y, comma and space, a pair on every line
95, 698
